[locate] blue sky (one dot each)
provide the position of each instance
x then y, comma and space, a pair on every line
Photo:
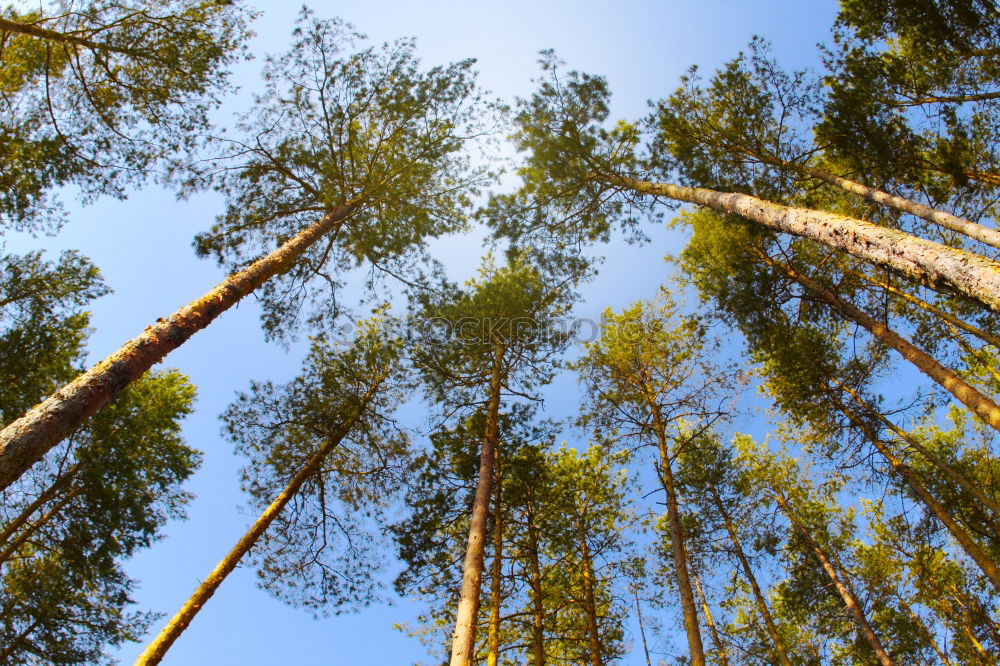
143, 246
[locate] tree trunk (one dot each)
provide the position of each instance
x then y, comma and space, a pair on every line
642, 629
840, 582
719, 647
945, 468
986, 337
772, 628
590, 601
948, 379
921, 259
970, 547
156, 650
537, 602
677, 546
26, 440
463, 642
493, 653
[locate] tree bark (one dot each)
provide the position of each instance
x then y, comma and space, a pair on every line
590, 601
978, 403
493, 653
719, 647
156, 650
970, 547
463, 642
33, 30
26, 440
963, 226
840, 582
986, 337
921, 259
688, 607
772, 628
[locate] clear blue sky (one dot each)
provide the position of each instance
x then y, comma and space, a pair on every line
143, 246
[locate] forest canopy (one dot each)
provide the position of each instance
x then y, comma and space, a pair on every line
463, 389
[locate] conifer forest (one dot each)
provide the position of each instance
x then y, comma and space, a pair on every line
674, 339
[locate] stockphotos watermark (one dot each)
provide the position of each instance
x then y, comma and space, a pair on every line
479, 330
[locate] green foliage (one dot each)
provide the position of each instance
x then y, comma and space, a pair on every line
335, 127
111, 92
320, 552
108, 493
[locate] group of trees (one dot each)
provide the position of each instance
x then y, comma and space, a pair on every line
844, 229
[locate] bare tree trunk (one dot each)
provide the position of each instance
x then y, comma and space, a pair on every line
537, 602
772, 628
677, 546
946, 220
840, 582
719, 647
642, 628
159, 646
946, 378
493, 653
26, 440
590, 601
921, 259
970, 547
463, 642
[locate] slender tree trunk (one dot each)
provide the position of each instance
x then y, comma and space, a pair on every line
946, 220
946, 378
677, 546
935, 460
926, 632
986, 337
765, 611
156, 650
921, 259
590, 601
26, 440
970, 547
537, 602
642, 629
463, 642
44, 497
719, 647
493, 654
16, 543
840, 582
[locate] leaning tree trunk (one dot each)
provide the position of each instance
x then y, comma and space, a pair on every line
463, 642
26, 440
940, 218
772, 628
719, 647
921, 259
156, 650
931, 457
978, 403
970, 547
688, 607
840, 583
